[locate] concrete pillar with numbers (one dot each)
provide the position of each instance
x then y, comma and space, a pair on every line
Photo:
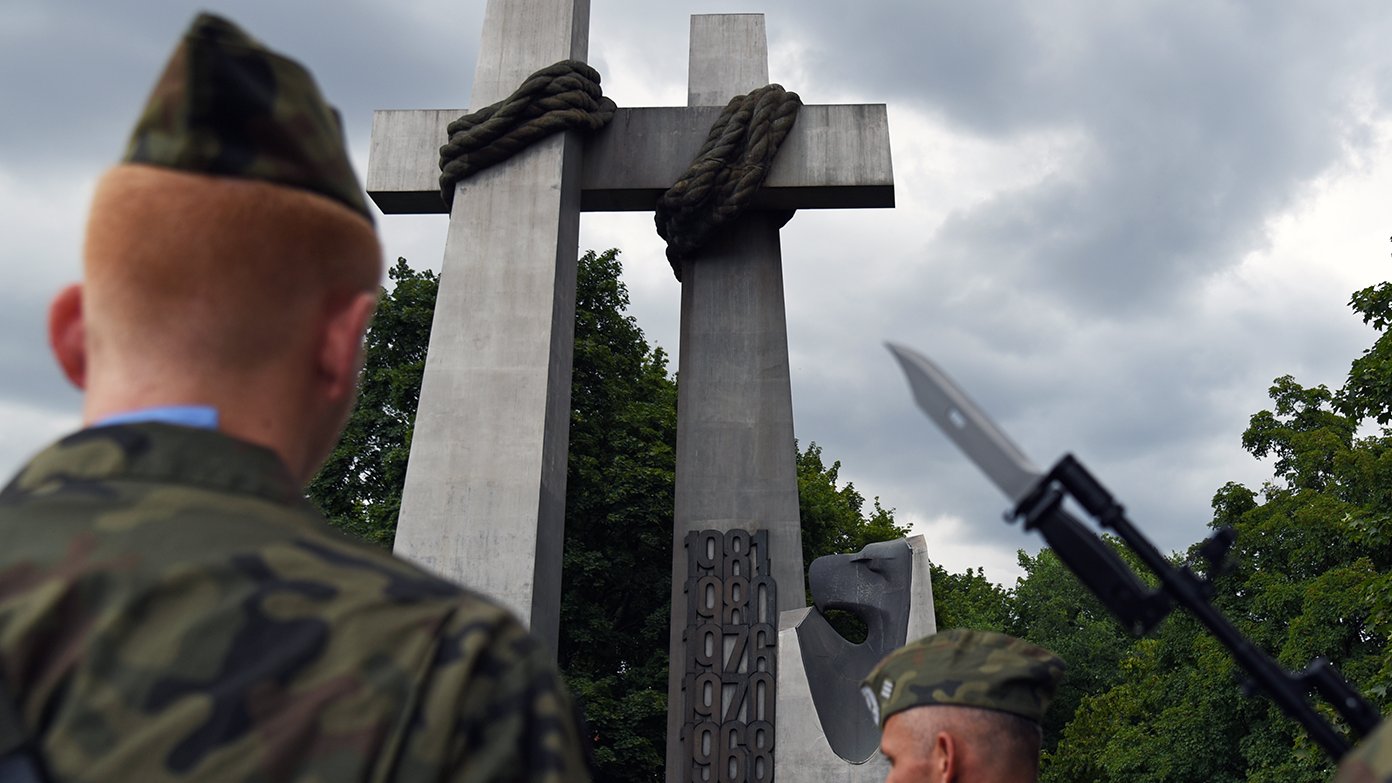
735, 449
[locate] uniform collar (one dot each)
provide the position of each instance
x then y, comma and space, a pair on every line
158, 452
200, 416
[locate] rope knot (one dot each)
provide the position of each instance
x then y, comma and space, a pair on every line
730, 168
563, 96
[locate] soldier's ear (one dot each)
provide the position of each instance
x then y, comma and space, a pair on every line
341, 345
67, 334
946, 759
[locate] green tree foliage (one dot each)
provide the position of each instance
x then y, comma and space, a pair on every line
616, 581
359, 487
835, 519
1310, 575
970, 600
1051, 608
617, 559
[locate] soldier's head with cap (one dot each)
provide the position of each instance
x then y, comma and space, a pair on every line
963, 705
230, 259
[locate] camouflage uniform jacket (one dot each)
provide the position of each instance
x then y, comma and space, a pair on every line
1371, 761
171, 608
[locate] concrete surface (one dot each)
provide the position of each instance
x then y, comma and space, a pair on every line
735, 450
484, 499
835, 157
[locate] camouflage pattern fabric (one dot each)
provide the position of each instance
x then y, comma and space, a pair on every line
172, 608
228, 106
1371, 760
965, 668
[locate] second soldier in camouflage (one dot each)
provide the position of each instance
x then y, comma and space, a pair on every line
963, 705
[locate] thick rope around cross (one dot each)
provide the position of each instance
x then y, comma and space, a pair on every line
727, 172
564, 96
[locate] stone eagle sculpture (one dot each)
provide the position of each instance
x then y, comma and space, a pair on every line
888, 587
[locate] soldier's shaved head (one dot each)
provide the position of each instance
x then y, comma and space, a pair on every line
230, 261
232, 292
941, 743
214, 274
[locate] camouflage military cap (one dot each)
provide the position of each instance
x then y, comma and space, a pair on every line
228, 106
965, 668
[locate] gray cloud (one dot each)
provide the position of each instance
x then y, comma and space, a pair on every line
1200, 120
1069, 303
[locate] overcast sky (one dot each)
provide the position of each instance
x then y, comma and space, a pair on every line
1115, 223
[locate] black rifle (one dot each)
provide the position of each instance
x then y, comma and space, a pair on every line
1140, 608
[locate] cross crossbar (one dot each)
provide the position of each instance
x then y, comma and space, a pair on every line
835, 157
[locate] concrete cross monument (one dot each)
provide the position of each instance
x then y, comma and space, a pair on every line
484, 500
736, 474
485, 486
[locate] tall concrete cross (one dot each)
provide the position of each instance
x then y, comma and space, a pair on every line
735, 448
484, 500
485, 484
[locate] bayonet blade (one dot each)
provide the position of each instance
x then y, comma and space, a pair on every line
966, 425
